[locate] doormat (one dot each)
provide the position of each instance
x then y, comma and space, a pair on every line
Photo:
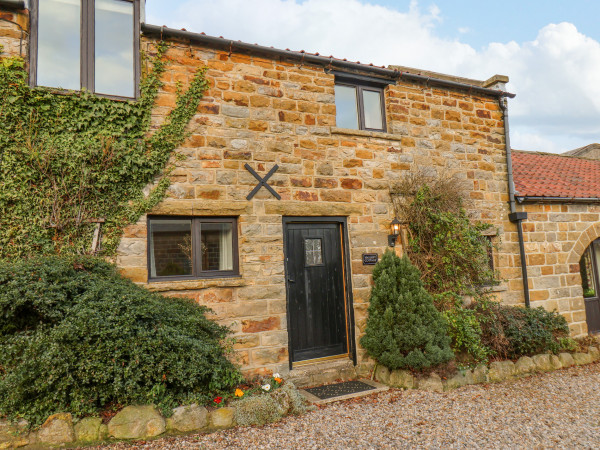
339, 389
342, 391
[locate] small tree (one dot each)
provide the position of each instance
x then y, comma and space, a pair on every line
404, 329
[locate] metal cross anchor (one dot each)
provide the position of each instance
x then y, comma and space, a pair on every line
262, 182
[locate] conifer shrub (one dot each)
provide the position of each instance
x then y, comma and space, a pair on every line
76, 337
404, 329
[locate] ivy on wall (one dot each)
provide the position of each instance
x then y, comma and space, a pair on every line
69, 159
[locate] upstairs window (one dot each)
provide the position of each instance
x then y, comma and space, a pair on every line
359, 103
86, 44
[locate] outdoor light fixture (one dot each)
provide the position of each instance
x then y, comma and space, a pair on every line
395, 226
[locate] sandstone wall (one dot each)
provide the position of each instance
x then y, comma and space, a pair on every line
556, 235
265, 112
14, 36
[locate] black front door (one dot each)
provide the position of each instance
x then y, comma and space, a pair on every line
316, 291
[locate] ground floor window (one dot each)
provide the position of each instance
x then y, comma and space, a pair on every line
192, 247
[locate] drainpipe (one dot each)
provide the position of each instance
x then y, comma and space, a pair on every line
514, 216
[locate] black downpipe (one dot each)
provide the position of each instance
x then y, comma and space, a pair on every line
522, 252
514, 216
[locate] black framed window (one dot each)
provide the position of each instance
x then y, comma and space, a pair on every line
192, 247
359, 106
86, 44
588, 266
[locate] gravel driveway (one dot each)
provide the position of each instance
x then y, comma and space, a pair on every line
557, 410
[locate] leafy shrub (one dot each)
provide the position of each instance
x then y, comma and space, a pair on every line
511, 332
465, 332
404, 330
75, 336
445, 245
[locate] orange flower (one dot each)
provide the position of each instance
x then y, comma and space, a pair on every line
239, 393
279, 380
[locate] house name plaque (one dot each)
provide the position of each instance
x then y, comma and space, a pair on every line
370, 259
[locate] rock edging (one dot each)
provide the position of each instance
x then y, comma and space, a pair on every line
146, 421
496, 372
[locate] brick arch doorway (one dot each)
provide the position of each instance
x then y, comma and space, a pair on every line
589, 267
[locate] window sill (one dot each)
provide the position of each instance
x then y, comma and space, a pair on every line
185, 285
497, 288
78, 92
365, 133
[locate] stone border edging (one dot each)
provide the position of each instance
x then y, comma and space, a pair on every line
496, 372
146, 421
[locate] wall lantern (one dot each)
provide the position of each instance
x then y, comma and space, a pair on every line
395, 226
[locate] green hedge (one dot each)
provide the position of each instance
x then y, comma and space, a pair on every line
75, 336
512, 332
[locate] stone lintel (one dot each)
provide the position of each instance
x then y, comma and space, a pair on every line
492, 231
179, 207
312, 209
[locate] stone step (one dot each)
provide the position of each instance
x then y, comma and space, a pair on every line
322, 372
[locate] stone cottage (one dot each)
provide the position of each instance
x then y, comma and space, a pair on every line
280, 204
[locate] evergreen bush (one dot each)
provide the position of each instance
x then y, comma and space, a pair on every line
75, 336
404, 329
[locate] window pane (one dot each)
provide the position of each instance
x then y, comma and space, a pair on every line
372, 104
114, 40
346, 115
587, 274
58, 44
312, 252
217, 246
170, 248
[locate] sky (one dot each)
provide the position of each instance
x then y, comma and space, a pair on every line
550, 49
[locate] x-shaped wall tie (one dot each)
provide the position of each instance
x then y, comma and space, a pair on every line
262, 182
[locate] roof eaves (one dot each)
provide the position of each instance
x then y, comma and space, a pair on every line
539, 199
315, 58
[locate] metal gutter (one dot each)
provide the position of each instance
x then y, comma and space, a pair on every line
514, 216
12, 4
304, 57
527, 198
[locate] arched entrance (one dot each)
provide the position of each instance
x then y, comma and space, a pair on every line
590, 281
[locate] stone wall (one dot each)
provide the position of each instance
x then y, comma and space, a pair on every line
14, 36
264, 112
556, 235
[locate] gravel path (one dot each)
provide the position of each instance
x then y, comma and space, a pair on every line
555, 410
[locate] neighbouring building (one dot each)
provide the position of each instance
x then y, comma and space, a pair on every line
281, 202
561, 196
591, 151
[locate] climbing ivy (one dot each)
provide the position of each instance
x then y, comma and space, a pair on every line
69, 159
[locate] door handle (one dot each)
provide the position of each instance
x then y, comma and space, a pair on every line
290, 280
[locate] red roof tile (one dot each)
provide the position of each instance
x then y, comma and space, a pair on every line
549, 175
